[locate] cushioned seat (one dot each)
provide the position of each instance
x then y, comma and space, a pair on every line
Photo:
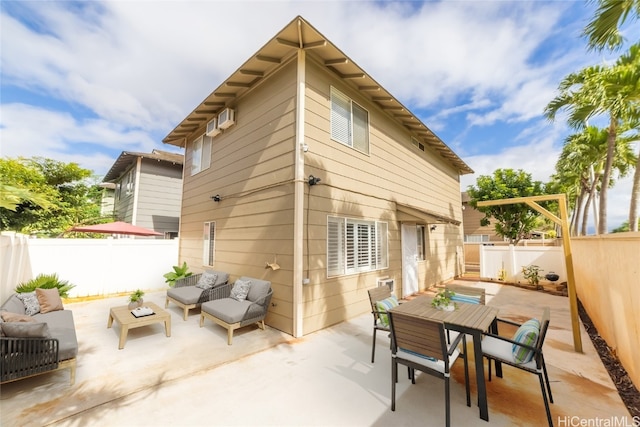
245, 302
190, 292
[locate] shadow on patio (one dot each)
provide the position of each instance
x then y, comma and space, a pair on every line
270, 378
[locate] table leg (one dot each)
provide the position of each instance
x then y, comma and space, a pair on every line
167, 327
482, 386
124, 330
110, 321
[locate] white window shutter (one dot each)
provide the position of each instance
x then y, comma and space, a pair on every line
360, 128
340, 118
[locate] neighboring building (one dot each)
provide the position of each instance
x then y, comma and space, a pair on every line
473, 231
148, 190
301, 159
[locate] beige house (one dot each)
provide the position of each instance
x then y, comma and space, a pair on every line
303, 161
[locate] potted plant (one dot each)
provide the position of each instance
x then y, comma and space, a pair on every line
135, 299
442, 300
179, 272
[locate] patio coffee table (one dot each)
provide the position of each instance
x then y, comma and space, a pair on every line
128, 321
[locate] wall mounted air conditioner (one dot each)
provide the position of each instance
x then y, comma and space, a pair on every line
226, 118
212, 127
386, 282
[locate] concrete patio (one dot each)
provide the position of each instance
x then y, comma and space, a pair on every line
270, 378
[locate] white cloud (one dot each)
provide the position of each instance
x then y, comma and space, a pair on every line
120, 75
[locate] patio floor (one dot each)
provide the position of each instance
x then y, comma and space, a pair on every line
270, 378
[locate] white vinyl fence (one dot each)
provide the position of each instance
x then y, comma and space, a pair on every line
513, 258
95, 266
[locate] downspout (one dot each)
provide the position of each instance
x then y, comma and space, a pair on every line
298, 209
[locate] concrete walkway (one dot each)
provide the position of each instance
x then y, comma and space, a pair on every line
270, 378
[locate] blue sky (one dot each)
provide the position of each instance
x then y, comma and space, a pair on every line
84, 81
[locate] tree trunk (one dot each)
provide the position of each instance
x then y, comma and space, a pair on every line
606, 175
587, 205
635, 195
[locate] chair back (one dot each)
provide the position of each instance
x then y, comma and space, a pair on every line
423, 336
378, 294
544, 326
461, 291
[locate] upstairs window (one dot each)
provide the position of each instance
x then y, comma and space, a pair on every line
349, 122
200, 154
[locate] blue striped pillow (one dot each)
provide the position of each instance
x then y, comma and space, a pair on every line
385, 305
469, 299
527, 334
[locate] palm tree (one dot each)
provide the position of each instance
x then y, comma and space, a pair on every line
597, 90
603, 30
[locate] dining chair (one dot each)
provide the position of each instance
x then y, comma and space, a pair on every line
468, 294
381, 300
420, 344
523, 351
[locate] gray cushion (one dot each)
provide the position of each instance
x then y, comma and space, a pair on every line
14, 305
186, 294
259, 288
222, 276
30, 301
207, 280
62, 327
240, 290
227, 309
26, 330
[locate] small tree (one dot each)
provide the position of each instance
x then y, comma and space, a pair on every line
511, 221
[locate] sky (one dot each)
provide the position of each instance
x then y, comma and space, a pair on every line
82, 81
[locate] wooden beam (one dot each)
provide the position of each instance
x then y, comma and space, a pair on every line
566, 245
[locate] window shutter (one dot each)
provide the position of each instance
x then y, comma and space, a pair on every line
196, 156
335, 246
340, 118
206, 153
208, 240
382, 254
360, 128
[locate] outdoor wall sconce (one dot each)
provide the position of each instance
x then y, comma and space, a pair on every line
433, 228
313, 180
216, 198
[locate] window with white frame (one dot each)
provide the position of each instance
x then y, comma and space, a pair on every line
355, 246
349, 122
200, 154
130, 181
476, 238
208, 247
420, 232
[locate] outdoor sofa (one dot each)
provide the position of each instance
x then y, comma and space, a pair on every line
36, 338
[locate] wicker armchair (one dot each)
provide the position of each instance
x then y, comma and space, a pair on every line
233, 314
186, 295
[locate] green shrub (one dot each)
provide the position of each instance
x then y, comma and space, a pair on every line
179, 272
46, 281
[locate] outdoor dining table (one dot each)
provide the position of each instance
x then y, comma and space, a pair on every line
472, 319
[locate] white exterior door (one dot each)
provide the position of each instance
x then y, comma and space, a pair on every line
409, 259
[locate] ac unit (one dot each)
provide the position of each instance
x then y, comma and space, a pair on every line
226, 118
212, 127
386, 282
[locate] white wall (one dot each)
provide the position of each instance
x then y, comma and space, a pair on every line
95, 266
513, 258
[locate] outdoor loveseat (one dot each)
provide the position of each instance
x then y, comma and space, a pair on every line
36, 337
245, 302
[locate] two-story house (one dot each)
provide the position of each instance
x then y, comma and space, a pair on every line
147, 190
303, 160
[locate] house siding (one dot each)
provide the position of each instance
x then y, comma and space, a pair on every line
368, 186
159, 195
252, 169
